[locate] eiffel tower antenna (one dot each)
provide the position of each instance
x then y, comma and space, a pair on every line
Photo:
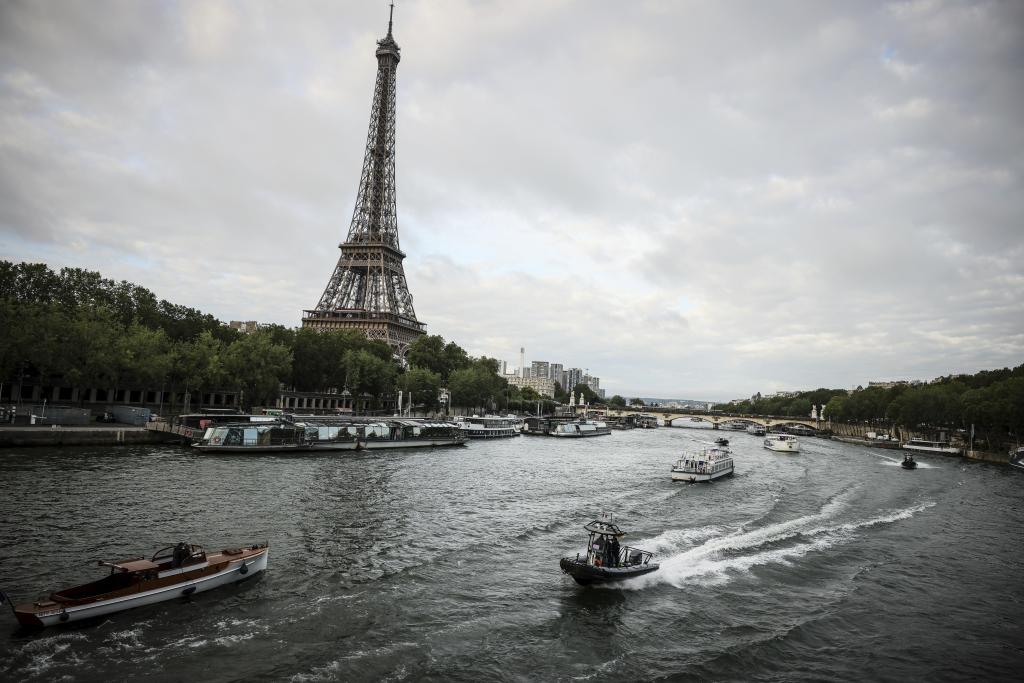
368, 290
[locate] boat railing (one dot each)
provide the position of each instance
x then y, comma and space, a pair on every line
628, 557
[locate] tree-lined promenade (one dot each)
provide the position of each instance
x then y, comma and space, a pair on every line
992, 401
76, 328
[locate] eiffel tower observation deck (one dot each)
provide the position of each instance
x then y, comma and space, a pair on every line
368, 290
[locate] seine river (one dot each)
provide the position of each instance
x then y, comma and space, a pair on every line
834, 564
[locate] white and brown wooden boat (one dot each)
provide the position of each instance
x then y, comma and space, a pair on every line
172, 572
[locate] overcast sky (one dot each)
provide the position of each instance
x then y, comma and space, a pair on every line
691, 199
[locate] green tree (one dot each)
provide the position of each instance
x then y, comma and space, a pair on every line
425, 387
257, 366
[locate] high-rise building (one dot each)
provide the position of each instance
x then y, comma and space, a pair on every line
368, 290
555, 373
539, 368
575, 376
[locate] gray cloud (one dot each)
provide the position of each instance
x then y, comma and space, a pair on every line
689, 199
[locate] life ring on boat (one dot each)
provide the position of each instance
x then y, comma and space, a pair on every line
216, 439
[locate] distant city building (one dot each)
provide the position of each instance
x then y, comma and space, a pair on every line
555, 373
896, 383
247, 326
539, 368
542, 385
502, 367
574, 376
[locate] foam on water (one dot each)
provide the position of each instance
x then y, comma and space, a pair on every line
713, 561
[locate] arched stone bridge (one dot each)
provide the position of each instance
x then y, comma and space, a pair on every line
717, 419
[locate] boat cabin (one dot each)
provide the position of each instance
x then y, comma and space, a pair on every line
254, 434
604, 549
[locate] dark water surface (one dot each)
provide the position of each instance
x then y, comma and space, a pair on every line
834, 564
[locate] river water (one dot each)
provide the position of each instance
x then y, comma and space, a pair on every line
834, 564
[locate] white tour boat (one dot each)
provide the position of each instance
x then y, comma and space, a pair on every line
708, 465
756, 430
173, 572
782, 442
930, 446
581, 428
490, 426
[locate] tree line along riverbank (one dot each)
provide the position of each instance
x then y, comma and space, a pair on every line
990, 401
75, 328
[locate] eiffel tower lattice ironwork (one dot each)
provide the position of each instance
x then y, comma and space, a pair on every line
368, 290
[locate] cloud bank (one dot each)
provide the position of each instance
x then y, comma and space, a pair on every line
689, 199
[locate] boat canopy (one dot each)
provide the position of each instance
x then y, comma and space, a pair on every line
604, 529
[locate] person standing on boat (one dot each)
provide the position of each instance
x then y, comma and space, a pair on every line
613, 548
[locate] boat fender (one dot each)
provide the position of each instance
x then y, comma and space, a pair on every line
64, 616
244, 569
189, 591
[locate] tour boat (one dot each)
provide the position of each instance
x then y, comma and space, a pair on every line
708, 465
782, 442
756, 430
490, 426
606, 560
909, 463
929, 446
409, 434
320, 436
173, 572
247, 437
647, 421
581, 428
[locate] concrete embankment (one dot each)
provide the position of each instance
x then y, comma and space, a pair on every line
58, 435
988, 456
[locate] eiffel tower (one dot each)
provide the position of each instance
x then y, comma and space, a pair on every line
367, 290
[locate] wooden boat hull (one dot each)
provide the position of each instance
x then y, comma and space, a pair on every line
49, 613
587, 574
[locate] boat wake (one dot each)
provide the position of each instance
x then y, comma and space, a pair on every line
719, 558
897, 462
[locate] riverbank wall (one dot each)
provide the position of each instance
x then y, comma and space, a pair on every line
60, 435
988, 456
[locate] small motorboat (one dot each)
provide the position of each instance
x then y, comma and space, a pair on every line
721, 441
1017, 458
606, 560
175, 571
909, 463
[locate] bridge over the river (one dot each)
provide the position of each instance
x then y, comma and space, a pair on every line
717, 419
